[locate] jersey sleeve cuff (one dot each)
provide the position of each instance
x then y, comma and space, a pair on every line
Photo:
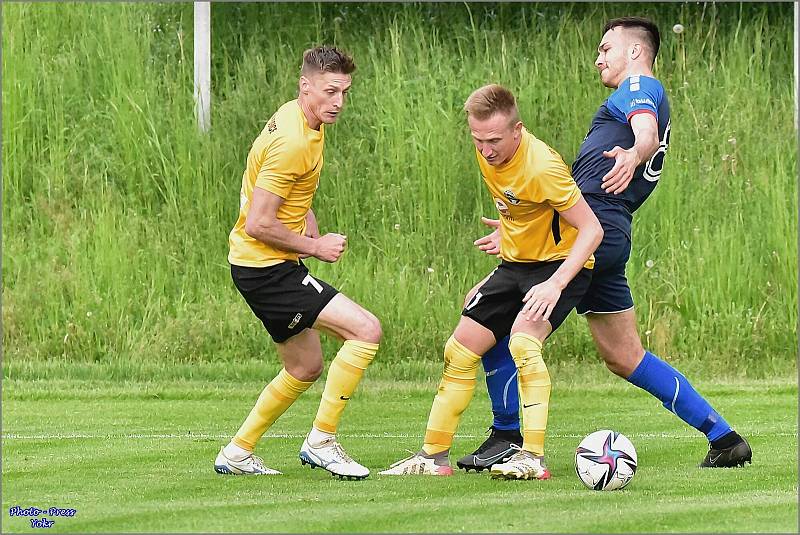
637, 112
572, 201
282, 192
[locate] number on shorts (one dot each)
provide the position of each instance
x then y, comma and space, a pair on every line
474, 300
313, 282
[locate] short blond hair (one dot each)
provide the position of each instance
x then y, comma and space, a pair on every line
490, 99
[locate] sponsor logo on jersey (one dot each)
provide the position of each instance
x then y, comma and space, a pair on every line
511, 197
271, 125
641, 101
502, 207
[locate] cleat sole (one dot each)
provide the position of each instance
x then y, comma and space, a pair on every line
476, 468
305, 461
348, 478
513, 477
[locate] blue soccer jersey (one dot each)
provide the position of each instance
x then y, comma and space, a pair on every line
610, 127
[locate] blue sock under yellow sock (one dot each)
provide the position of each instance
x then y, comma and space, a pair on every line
501, 381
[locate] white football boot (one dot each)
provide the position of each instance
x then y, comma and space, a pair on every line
330, 455
521, 465
417, 465
252, 465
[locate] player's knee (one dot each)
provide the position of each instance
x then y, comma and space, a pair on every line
369, 329
526, 350
538, 329
459, 361
306, 371
621, 363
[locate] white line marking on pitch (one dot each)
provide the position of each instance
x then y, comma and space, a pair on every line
79, 436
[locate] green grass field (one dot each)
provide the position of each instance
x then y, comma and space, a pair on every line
138, 457
129, 357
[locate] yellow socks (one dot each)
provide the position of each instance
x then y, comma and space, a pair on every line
454, 394
343, 376
534, 389
278, 395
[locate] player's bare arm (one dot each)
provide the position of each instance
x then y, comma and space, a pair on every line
542, 298
263, 224
645, 130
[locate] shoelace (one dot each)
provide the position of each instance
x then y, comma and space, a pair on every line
513, 456
258, 462
521, 456
340, 453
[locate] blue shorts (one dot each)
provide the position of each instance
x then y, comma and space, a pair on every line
609, 291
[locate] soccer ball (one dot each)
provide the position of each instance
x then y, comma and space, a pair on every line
605, 460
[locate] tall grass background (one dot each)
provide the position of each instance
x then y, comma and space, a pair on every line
116, 210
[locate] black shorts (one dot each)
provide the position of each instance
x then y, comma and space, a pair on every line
609, 292
285, 297
499, 300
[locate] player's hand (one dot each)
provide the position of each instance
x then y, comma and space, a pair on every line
540, 301
626, 161
330, 247
490, 244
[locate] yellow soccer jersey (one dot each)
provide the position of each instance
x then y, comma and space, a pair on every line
529, 191
285, 159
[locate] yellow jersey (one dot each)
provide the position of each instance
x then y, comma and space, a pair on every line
529, 191
285, 159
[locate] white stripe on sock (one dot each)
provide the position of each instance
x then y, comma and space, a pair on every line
505, 390
677, 389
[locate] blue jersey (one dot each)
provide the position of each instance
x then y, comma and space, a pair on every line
610, 127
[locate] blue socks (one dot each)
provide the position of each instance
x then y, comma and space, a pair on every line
678, 396
501, 380
653, 375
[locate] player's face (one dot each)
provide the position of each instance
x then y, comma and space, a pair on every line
496, 138
324, 95
613, 57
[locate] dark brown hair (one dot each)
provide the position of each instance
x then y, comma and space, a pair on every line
327, 59
648, 29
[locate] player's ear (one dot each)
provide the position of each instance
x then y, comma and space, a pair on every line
305, 84
635, 51
517, 129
